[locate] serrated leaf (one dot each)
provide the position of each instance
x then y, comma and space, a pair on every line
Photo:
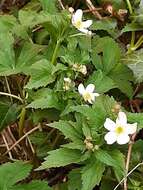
40, 74
45, 98
105, 157
105, 24
136, 118
9, 114
92, 174
69, 129
61, 157
106, 46
13, 173
122, 77
12, 62
34, 185
135, 62
102, 82
74, 180
132, 27
49, 6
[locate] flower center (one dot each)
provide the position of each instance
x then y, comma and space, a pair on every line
87, 96
78, 24
119, 130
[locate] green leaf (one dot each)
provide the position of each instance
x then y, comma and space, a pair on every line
136, 118
105, 46
69, 129
102, 82
105, 24
105, 157
132, 27
135, 62
45, 98
92, 174
61, 157
7, 61
49, 6
7, 23
74, 180
9, 114
12, 173
34, 185
122, 77
40, 74
120, 158
12, 62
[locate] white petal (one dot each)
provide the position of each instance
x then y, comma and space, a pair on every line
123, 139
81, 89
86, 31
77, 16
121, 119
90, 101
87, 23
96, 94
92, 96
90, 88
131, 128
110, 137
109, 124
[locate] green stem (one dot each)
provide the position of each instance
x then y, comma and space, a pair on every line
129, 6
56, 187
139, 42
11, 95
55, 52
21, 121
8, 88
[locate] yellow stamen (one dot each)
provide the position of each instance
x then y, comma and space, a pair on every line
119, 130
78, 24
87, 96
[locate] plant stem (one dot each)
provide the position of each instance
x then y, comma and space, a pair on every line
127, 164
129, 6
8, 88
128, 159
21, 121
11, 95
56, 187
139, 42
55, 52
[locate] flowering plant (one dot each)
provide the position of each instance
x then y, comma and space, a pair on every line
71, 95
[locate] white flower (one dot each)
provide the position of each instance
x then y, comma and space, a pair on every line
67, 83
120, 130
82, 26
88, 92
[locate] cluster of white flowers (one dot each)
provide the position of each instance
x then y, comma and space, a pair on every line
67, 83
80, 68
120, 130
82, 26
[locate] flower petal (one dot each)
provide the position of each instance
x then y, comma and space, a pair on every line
81, 89
123, 139
86, 31
87, 23
77, 16
121, 119
109, 124
90, 88
96, 94
131, 128
110, 137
